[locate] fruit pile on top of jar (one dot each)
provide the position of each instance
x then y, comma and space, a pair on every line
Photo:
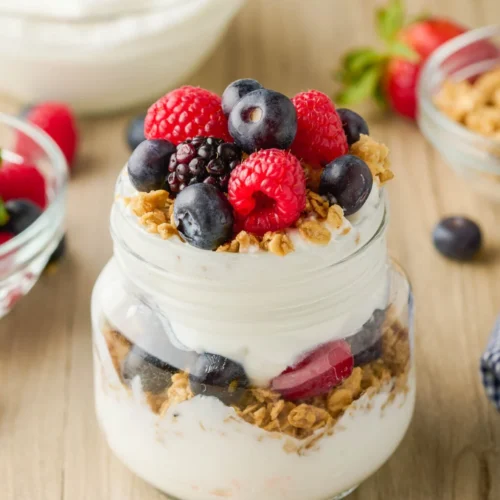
247, 168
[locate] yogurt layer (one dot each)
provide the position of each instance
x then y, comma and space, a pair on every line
287, 307
162, 449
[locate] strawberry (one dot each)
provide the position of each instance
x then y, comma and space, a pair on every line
20, 180
392, 77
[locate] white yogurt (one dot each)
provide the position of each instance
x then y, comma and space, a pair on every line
201, 450
258, 309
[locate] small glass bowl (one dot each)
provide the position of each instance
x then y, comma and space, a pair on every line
23, 258
475, 157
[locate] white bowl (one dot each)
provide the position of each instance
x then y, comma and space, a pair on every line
108, 63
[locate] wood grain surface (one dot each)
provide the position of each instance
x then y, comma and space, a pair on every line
50, 444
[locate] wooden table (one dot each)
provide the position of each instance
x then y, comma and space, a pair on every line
50, 444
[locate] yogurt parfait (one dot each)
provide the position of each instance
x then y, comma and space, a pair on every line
252, 339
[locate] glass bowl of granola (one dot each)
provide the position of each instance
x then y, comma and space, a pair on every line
459, 106
272, 360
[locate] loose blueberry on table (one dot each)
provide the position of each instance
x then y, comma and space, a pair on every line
457, 238
135, 131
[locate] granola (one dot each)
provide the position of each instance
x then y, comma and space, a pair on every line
268, 410
474, 104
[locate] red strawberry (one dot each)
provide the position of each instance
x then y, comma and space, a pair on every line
392, 77
22, 181
185, 113
57, 120
267, 191
5, 237
320, 137
324, 368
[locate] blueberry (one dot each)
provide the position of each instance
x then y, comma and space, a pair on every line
155, 375
25, 111
135, 132
22, 213
214, 375
366, 345
263, 119
353, 125
235, 91
59, 252
457, 238
148, 165
203, 216
347, 180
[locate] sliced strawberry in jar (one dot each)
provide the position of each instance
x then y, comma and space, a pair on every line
317, 373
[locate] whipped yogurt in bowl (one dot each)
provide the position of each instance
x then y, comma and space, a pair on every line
278, 366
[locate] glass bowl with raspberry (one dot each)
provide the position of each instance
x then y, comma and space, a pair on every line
459, 106
252, 339
33, 176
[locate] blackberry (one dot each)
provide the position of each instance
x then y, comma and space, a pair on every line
202, 159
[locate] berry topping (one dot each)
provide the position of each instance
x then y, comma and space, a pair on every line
268, 191
317, 373
155, 375
22, 181
235, 91
148, 165
202, 159
135, 132
185, 113
263, 119
353, 125
203, 216
320, 136
214, 375
457, 238
348, 181
21, 214
366, 345
57, 120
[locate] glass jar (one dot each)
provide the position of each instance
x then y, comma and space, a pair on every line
250, 375
23, 258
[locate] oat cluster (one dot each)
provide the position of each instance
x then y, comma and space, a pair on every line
269, 411
475, 104
376, 156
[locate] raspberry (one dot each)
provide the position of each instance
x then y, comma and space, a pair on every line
324, 368
320, 137
185, 113
202, 159
267, 191
57, 120
22, 181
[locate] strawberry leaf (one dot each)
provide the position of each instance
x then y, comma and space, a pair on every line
358, 60
390, 20
361, 88
400, 49
4, 216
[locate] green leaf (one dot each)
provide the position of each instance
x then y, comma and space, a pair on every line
400, 49
390, 20
379, 95
362, 88
359, 59
4, 216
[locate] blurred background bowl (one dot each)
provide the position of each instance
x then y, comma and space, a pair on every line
24, 257
475, 157
109, 62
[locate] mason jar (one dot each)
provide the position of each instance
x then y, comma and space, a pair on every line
249, 375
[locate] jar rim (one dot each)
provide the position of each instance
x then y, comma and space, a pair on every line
427, 81
59, 169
